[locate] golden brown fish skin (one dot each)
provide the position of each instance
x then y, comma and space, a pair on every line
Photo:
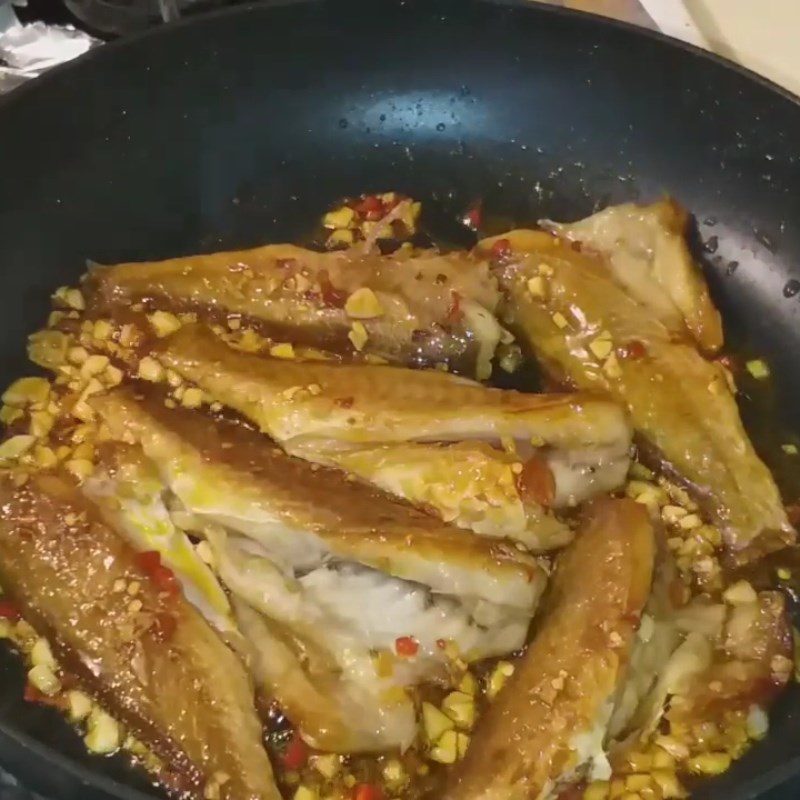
653, 237
354, 520
378, 404
522, 747
292, 293
183, 693
696, 430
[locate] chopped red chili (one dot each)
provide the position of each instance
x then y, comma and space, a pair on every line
32, 695
9, 610
406, 646
296, 754
536, 482
367, 791
331, 296
344, 402
370, 207
441, 644
163, 577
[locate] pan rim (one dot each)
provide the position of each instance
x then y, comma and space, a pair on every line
8, 100
79, 773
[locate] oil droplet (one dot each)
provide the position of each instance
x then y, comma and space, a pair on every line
711, 245
440, 127
343, 123
732, 267
382, 117
791, 288
710, 221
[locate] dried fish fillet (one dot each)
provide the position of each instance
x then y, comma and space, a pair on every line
587, 329
424, 309
547, 727
154, 660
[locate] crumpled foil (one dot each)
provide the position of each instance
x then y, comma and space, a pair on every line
26, 51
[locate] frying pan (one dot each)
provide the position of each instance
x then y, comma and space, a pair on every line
240, 127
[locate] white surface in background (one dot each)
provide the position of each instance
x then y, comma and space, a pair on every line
763, 35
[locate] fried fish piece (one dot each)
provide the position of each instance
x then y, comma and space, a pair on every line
152, 659
422, 309
376, 421
647, 253
234, 477
328, 574
546, 728
586, 328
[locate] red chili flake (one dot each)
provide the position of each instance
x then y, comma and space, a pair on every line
536, 482
295, 756
367, 791
454, 312
473, 217
632, 350
9, 610
500, 249
406, 646
344, 402
441, 644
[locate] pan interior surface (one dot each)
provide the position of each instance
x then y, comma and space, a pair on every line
241, 128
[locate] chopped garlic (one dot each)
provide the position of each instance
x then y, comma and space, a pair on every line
740, 593
601, 347
150, 370
306, 793
16, 446
341, 217
27, 391
462, 743
192, 397
446, 749
42, 655
560, 320
468, 684
327, 765
612, 368
44, 679
394, 772
434, 722
164, 323
789, 449
283, 350
460, 707
103, 736
363, 303
501, 673
758, 369
358, 335
80, 705
537, 287
709, 763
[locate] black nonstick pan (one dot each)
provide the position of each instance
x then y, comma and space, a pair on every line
240, 127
